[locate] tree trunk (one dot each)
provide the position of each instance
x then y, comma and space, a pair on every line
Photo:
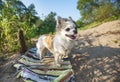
23, 47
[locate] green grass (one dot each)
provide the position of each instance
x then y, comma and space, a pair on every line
91, 25
94, 24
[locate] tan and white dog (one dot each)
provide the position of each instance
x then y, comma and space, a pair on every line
61, 43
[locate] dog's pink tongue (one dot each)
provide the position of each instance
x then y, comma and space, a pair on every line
73, 37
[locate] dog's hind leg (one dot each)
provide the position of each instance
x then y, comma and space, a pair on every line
40, 49
41, 52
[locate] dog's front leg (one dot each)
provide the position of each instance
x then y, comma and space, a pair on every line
56, 56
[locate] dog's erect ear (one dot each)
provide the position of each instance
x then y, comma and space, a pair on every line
59, 23
70, 18
59, 20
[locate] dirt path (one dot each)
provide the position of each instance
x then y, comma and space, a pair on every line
7, 71
96, 57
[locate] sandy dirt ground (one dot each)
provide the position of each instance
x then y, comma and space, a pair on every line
96, 57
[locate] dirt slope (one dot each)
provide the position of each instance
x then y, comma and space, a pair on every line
96, 57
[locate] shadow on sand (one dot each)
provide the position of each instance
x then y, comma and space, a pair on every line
96, 64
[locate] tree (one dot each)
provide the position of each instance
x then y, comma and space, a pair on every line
12, 14
98, 10
48, 25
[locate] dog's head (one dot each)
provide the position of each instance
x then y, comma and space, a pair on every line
66, 27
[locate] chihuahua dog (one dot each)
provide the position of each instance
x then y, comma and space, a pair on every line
61, 43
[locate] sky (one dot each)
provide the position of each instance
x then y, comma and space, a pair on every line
63, 8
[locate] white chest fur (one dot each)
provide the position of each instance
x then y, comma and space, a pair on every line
62, 45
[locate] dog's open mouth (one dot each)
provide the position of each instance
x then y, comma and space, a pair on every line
71, 36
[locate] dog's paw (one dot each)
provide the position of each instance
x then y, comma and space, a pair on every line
58, 65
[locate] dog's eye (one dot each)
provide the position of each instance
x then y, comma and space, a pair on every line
67, 29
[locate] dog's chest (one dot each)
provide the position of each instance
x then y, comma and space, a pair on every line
62, 45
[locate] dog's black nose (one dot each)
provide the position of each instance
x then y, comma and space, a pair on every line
75, 31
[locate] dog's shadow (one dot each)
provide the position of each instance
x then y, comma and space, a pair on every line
96, 64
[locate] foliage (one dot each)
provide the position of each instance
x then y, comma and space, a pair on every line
48, 24
14, 15
98, 10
